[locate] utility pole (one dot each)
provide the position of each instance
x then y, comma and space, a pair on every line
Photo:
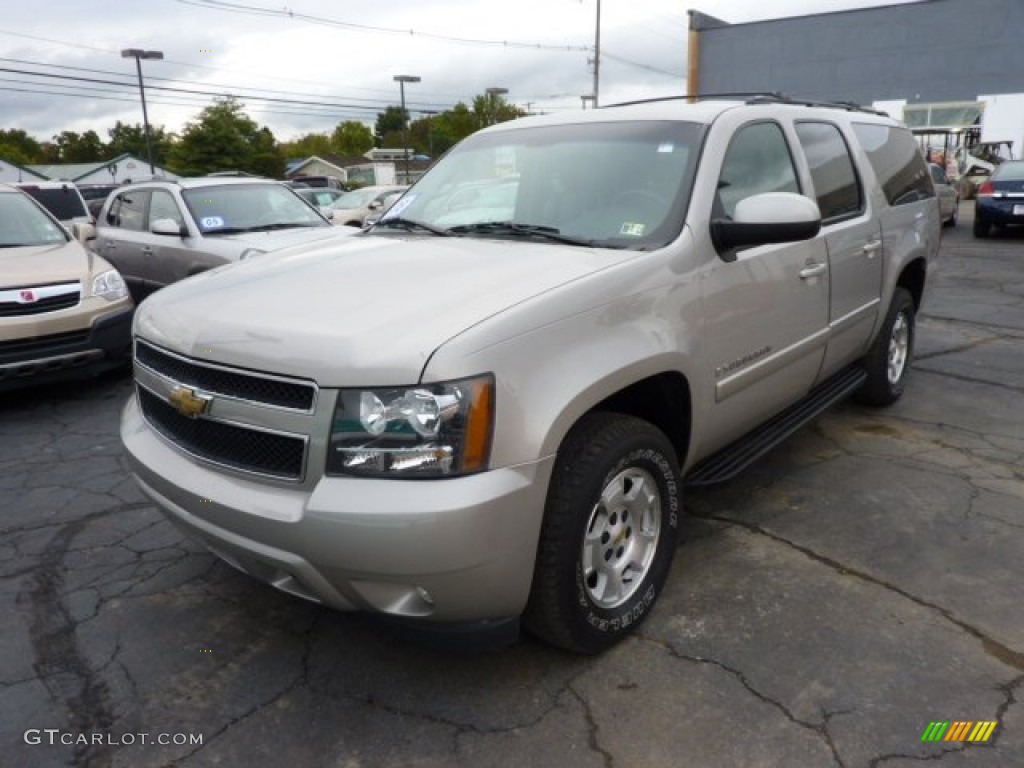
597, 54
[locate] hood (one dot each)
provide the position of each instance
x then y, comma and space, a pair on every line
45, 264
367, 310
282, 238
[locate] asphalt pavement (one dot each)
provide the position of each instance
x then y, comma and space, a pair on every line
859, 584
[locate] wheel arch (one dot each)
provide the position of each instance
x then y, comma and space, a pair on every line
913, 277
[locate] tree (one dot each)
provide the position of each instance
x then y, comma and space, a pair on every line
73, 147
128, 139
16, 146
307, 146
390, 127
491, 108
452, 126
225, 138
352, 138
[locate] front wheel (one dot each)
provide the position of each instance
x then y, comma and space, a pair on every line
888, 360
608, 536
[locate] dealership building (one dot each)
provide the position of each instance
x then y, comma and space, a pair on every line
953, 70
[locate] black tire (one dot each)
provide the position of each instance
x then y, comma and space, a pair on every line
577, 600
951, 221
888, 361
981, 227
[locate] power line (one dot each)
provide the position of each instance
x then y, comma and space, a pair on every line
253, 10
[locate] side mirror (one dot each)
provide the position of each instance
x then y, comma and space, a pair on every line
167, 227
771, 217
83, 231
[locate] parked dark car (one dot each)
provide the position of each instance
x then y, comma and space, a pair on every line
1000, 200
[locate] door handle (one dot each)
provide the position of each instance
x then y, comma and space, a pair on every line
872, 247
147, 250
812, 270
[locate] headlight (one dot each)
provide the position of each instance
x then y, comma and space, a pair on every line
432, 430
109, 285
248, 253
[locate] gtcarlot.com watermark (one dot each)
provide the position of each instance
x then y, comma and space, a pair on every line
55, 736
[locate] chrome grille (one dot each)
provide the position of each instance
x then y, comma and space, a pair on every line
230, 445
39, 299
257, 388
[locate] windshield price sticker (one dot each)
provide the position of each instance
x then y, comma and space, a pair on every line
212, 222
398, 207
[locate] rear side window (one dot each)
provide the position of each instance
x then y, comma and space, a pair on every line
897, 162
128, 210
836, 186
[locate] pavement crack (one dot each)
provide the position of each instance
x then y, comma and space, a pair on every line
994, 648
819, 729
592, 728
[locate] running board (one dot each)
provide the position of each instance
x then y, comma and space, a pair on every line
737, 455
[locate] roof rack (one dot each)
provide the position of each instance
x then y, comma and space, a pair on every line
756, 97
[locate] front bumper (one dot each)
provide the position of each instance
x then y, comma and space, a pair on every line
455, 550
106, 344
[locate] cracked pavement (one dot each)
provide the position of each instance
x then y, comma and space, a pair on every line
859, 582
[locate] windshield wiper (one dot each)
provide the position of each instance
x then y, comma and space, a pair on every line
410, 225
514, 229
280, 225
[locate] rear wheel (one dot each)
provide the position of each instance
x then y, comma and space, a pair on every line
609, 533
888, 361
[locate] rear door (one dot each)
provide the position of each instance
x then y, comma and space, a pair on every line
123, 238
853, 239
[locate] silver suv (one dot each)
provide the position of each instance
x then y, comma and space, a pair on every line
488, 405
159, 232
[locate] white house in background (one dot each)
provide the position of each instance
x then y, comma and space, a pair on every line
13, 172
117, 171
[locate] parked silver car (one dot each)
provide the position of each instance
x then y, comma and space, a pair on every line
159, 232
488, 405
946, 192
352, 208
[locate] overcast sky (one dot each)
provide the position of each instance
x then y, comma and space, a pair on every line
340, 56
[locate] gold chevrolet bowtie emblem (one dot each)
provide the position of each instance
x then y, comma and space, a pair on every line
188, 402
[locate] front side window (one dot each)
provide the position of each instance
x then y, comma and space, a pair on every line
162, 206
128, 210
231, 208
897, 162
836, 186
757, 161
615, 185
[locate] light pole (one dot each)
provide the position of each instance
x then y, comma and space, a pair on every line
138, 54
402, 80
492, 103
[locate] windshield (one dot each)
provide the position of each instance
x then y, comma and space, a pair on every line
64, 202
615, 184
1011, 171
22, 223
248, 207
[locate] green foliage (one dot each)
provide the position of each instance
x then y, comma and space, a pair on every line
390, 124
16, 146
128, 139
352, 138
225, 138
308, 145
75, 147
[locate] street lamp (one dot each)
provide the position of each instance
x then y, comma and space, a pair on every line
492, 102
402, 80
138, 54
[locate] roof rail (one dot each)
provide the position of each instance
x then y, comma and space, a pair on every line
756, 97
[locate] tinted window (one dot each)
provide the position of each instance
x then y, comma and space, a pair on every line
757, 161
835, 181
897, 162
938, 175
1009, 172
162, 206
128, 210
63, 202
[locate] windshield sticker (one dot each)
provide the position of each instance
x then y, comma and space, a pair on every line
398, 207
666, 146
631, 229
212, 222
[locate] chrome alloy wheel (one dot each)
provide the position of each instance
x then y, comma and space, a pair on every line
899, 348
621, 537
